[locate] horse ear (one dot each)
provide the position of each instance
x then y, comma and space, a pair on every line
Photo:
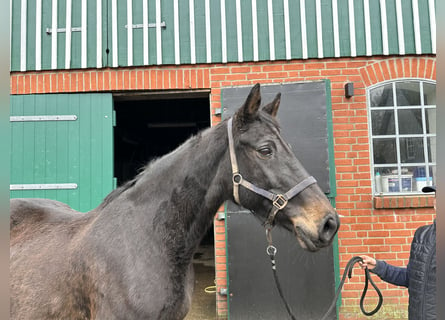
251, 106
272, 108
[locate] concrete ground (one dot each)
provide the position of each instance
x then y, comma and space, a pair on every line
204, 303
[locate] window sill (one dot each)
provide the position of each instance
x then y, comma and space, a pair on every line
403, 201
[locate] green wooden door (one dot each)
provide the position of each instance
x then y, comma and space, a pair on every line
62, 148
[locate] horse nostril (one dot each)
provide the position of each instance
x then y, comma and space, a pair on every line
328, 228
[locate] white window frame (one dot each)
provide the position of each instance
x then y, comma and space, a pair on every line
428, 162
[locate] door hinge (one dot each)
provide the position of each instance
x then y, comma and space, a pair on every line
43, 118
43, 186
63, 30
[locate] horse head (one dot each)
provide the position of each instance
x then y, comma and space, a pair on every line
270, 181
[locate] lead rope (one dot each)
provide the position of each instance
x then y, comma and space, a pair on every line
271, 252
348, 271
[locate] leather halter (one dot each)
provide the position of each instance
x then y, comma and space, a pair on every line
279, 201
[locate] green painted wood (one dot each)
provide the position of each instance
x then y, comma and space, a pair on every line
106, 35
61, 36
78, 151
376, 27
344, 28
61, 156
76, 37
73, 150
263, 30
152, 56
425, 30
231, 31
40, 144
328, 27
28, 145
92, 34
138, 47
167, 42
311, 29
122, 33
31, 37
15, 35
46, 38
184, 31
391, 21
408, 30
200, 31
279, 37
215, 30
360, 36
168, 33
295, 29
247, 29
51, 147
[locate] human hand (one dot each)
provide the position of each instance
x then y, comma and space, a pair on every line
368, 262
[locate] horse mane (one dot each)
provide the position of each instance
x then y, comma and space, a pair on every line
116, 193
124, 187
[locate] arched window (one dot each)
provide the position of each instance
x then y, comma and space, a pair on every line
403, 135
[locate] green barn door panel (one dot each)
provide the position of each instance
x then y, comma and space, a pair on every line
62, 148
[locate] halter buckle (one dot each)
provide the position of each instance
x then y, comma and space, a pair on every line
279, 201
237, 178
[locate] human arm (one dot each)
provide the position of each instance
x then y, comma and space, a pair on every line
387, 272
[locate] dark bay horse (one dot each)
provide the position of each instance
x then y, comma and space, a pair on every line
131, 257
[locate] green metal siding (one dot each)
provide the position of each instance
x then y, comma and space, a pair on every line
279, 27
55, 152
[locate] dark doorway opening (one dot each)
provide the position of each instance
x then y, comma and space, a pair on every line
148, 127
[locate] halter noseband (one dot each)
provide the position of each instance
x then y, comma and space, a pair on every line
279, 201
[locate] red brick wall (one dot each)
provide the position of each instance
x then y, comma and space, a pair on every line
381, 226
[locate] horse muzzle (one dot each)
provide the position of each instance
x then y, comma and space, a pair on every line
320, 236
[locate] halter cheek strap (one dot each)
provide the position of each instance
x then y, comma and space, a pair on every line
279, 201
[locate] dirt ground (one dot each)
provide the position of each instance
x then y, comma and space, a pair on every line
204, 303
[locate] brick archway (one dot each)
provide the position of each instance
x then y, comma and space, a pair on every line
407, 67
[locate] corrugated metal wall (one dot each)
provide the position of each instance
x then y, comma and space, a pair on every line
96, 33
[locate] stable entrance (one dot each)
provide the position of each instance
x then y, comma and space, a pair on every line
148, 127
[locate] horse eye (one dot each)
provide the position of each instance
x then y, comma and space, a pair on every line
265, 151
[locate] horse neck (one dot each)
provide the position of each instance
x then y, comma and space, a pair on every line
197, 173
179, 194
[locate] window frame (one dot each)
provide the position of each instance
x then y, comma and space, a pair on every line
429, 164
